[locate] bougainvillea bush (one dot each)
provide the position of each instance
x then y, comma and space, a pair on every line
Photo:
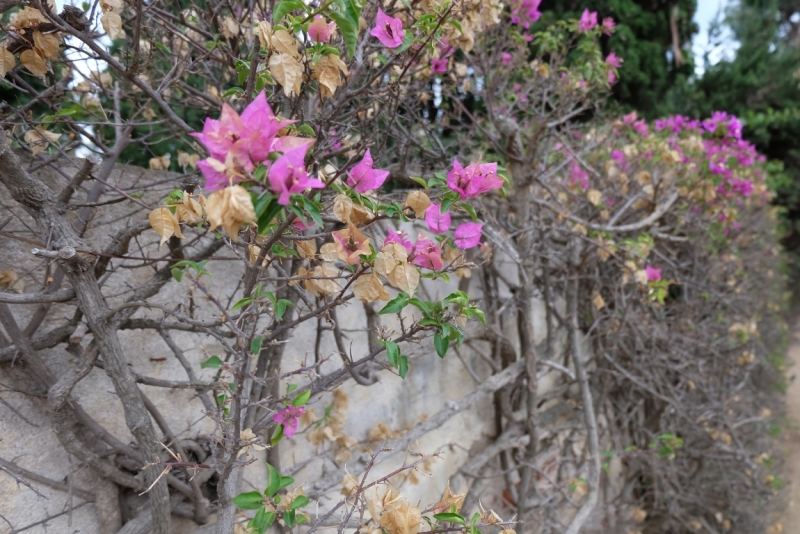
446, 171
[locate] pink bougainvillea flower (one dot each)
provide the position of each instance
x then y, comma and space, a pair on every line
388, 30
505, 58
525, 12
615, 62
588, 21
438, 66
288, 418
608, 25
653, 274
577, 176
474, 180
438, 222
363, 177
398, 237
426, 254
351, 243
319, 31
618, 156
468, 235
239, 141
288, 175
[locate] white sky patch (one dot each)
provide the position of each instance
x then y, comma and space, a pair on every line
719, 45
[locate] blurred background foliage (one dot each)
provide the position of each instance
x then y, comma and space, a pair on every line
758, 79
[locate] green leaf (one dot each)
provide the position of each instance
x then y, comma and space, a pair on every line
450, 518
262, 521
420, 181
302, 398
255, 345
407, 42
284, 7
233, 91
308, 130
402, 366
273, 480
395, 305
270, 212
424, 307
469, 209
212, 363
177, 274
159, 46
349, 31
392, 352
280, 308
286, 481
290, 388
252, 500
288, 518
440, 343
299, 502
242, 303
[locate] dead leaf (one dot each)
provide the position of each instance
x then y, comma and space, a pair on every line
349, 485
288, 72
402, 518
368, 288
389, 257
230, 28
33, 62
164, 223
327, 71
39, 139
160, 163
418, 201
404, 277
599, 302
306, 249
47, 45
594, 196
188, 160
7, 278
27, 17
320, 287
449, 500
264, 29
112, 24
360, 214
7, 61
284, 43
111, 5
328, 252
639, 515
342, 208
230, 208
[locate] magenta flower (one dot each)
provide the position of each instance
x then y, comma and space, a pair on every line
397, 237
363, 177
608, 25
653, 274
525, 11
577, 176
618, 156
319, 31
615, 62
469, 235
288, 418
388, 30
505, 58
288, 175
438, 222
426, 254
588, 21
239, 141
474, 180
438, 66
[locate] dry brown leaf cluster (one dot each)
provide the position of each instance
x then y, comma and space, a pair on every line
332, 429
43, 46
320, 281
111, 20
165, 224
9, 280
39, 139
230, 208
